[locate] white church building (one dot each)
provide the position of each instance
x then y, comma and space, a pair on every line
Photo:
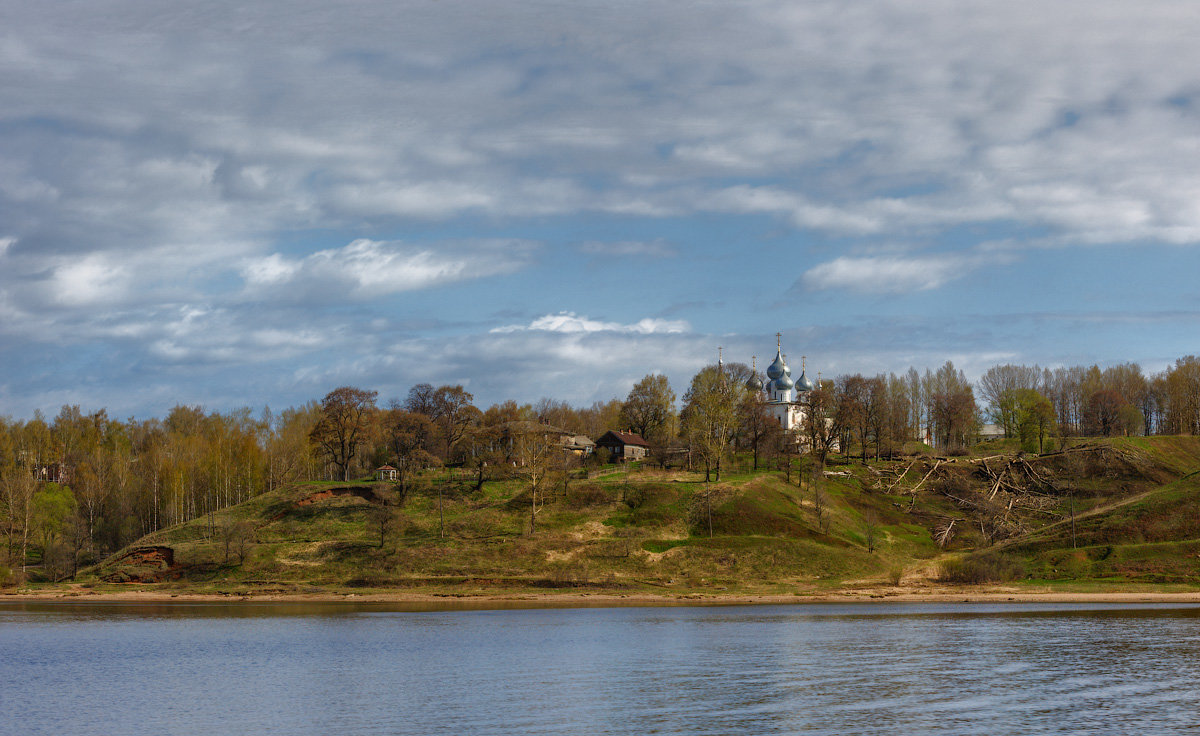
786, 399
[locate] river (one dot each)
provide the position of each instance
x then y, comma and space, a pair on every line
296, 669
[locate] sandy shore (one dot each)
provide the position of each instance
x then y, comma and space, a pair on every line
604, 599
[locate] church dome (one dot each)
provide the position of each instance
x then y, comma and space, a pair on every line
783, 383
778, 368
805, 383
755, 383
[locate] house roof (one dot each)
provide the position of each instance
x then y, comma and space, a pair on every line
384, 467
624, 438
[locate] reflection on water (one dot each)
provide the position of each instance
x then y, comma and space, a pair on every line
814, 669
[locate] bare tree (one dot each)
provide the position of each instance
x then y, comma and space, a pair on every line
237, 535
952, 408
540, 458
870, 529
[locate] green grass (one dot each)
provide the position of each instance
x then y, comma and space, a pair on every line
648, 530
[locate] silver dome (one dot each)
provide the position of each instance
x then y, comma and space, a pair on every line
778, 368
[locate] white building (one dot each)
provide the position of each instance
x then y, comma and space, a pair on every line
787, 400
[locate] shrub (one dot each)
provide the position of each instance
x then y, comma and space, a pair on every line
587, 494
978, 569
635, 496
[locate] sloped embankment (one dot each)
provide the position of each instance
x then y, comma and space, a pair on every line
1126, 510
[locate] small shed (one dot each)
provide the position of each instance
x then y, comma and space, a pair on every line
623, 446
385, 472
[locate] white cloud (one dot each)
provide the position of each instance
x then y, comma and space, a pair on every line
152, 151
569, 322
90, 280
365, 268
272, 269
888, 275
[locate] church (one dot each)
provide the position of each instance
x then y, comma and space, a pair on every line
784, 398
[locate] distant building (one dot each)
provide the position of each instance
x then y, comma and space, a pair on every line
787, 400
991, 432
52, 473
623, 446
579, 444
386, 472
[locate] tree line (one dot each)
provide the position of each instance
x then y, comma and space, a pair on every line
82, 485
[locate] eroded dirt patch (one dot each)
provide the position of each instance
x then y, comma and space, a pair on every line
142, 565
366, 493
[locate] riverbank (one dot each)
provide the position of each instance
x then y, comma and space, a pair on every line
601, 599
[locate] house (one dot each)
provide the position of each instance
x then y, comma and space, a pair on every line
385, 472
623, 446
579, 444
508, 433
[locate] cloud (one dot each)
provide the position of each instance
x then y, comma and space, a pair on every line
93, 279
889, 274
220, 186
367, 268
651, 249
853, 123
569, 322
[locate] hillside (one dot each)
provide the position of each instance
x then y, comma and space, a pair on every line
998, 517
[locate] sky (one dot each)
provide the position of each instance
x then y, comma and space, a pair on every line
234, 204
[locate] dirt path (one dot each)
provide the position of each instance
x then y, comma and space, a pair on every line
1095, 511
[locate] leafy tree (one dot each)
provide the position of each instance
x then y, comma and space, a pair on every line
758, 428
455, 414
649, 408
53, 512
345, 413
409, 436
17, 489
998, 386
1102, 414
1033, 417
1182, 392
449, 408
710, 415
600, 417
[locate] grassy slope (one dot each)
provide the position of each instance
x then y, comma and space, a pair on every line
1135, 511
1149, 535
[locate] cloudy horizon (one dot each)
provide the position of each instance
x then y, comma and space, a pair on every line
228, 205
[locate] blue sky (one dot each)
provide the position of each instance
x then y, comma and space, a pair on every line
205, 203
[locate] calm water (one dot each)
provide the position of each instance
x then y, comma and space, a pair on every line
886, 669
